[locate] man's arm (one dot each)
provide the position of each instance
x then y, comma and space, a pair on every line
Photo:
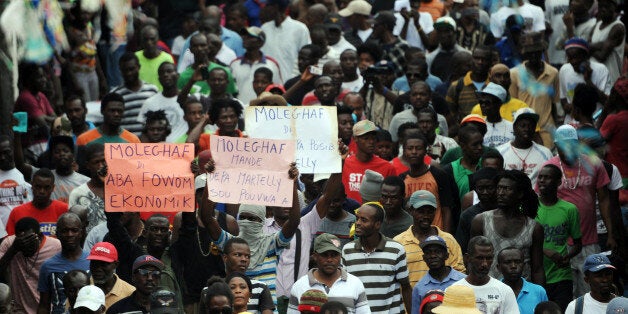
601, 50
477, 226
536, 255
445, 212
44, 303
605, 211
185, 91
306, 76
406, 293
294, 218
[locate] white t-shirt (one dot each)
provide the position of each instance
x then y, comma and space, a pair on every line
331, 55
615, 184
173, 110
569, 79
65, 184
554, 12
412, 35
495, 297
177, 45
590, 305
355, 85
224, 55
343, 45
528, 160
283, 43
498, 133
532, 15
364, 34
14, 191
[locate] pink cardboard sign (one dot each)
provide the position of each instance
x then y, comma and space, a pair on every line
149, 177
251, 171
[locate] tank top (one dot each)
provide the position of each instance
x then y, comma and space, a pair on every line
523, 241
614, 61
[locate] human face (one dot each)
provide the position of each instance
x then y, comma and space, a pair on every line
473, 148
40, 80
214, 44
507, 195
227, 120
156, 131
157, 232
217, 82
260, 82
112, 114
102, 272
510, 264
391, 199
219, 305
366, 60
238, 258
42, 189
149, 40
548, 181
251, 42
249, 217
575, 57
492, 163
482, 61
423, 216
446, 37
502, 78
601, 282
327, 262
535, 58
236, 20
241, 292
193, 114
333, 36
435, 256
356, 103
199, 47
414, 151
334, 70
524, 129
485, 188
579, 7
335, 207
413, 73
62, 156
168, 76
480, 260
366, 143
420, 96
305, 59
365, 223
70, 233
76, 112
426, 123
72, 286
29, 247
605, 10
130, 71
6, 156
384, 150
146, 279
349, 62
489, 105
324, 90
345, 126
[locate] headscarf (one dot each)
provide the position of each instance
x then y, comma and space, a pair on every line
253, 233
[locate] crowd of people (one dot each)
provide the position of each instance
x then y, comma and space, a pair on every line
483, 146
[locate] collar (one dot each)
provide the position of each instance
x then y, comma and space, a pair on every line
525, 287
312, 280
449, 277
468, 81
409, 238
245, 61
117, 287
380, 246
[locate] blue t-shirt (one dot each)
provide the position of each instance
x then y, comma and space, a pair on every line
530, 295
51, 278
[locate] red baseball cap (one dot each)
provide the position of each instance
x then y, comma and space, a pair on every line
103, 251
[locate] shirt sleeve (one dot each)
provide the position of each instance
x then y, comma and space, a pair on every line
401, 267
42, 283
510, 302
265, 300
601, 176
416, 300
361, 303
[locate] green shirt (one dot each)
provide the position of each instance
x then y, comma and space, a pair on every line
461, 175
456, 153
202, 86
149, 67
560, 222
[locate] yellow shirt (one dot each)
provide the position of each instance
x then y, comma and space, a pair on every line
417, 268
506, 111
121, 289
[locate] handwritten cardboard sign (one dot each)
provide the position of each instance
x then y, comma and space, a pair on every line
251, 171
314, 128
149, 177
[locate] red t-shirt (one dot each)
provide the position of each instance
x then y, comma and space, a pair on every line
399, 166
614, 129
353, 172
311, 100
35, 107
46, 217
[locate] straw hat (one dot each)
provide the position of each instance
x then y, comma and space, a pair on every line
458, 299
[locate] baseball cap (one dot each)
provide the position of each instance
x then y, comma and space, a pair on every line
356, 7
326, 242
363, 127
564, 133
458, 299
431, 296
422, 198
147, 260
254, 31
103, 251
61, 139
597, 262
526, 113
576, 42
333, 21
436, 240
90, 297
273, 86
617, 305
532, 42
494, 90
445, 22
163, 301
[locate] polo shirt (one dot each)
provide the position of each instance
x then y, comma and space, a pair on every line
417, 267
428, 283
121, 289
347, 289
243, 72
530, 295
382, 271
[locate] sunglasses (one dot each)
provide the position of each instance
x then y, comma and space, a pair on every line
146, 272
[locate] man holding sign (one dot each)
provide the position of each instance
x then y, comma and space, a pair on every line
265, 248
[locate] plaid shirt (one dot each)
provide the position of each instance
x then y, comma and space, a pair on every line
395, 53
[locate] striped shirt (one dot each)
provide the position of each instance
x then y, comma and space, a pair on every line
382, 271
260, 299
133, 101
347, 289
267, 271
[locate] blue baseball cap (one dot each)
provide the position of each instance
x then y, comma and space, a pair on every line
436, 240
597, 262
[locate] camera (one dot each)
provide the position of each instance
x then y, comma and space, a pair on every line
373, 71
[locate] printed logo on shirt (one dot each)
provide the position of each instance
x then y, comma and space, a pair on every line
48, 228
555, 234
12, 194
355, 180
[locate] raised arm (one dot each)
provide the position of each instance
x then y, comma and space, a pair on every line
333, 189
294, 218
207, 207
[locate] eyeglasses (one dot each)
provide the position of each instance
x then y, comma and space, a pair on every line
224, 310
146, 272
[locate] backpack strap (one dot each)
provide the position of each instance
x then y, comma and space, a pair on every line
579, 305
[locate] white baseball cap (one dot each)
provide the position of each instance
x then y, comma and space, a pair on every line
356, 7
90, 297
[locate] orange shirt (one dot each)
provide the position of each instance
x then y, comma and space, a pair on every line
428, 183
94, 135
203, 141
435, 8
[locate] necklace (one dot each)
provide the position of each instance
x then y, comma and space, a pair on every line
523, 160
565, 178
